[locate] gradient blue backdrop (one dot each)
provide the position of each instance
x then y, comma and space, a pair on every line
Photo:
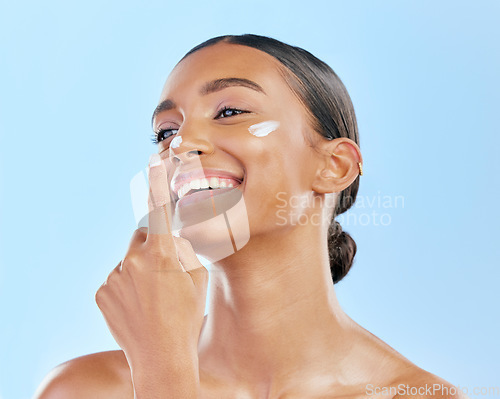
78, 84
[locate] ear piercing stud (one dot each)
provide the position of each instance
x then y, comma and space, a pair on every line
360, 167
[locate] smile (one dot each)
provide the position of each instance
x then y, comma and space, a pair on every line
211, 183
211, 180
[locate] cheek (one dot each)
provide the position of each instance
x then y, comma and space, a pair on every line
276, 169
273, 154
276, 172
263, 129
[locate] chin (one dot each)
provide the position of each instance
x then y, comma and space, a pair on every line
219, 236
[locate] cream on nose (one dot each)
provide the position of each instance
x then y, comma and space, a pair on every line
176, 142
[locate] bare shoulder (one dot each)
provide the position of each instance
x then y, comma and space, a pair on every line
391, 375
420, 384
412, 382
98, 375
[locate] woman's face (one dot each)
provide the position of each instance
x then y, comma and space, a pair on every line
208, 110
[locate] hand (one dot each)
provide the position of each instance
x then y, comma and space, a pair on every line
154, 300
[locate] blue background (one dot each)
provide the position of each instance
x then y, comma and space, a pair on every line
79, 82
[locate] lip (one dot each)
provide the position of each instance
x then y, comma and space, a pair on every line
203, 195
202, 206
179, 178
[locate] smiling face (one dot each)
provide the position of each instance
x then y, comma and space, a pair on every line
228, 108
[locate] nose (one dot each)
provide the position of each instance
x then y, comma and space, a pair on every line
191, 142
184, 157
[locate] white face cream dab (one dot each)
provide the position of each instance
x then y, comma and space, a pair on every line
176, 142
264, 128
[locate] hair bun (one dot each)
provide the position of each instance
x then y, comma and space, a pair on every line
342, 249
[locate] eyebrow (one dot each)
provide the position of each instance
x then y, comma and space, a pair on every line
220, 84
163, 106
211, 87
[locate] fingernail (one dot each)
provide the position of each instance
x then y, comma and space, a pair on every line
154, 160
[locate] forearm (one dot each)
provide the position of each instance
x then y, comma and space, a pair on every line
177, 378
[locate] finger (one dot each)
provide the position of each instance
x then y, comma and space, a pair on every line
138, 237
199, 277
159, 204
191, 264
118, 268
186, 254
114, 275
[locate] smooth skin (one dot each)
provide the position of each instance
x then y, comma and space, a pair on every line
274, 327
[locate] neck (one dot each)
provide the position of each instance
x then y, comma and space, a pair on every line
272, 299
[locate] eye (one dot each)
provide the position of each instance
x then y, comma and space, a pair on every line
163, 134
227, 112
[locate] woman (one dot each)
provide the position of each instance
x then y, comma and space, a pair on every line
277, 124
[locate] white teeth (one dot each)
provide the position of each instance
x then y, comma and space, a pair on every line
183, 190
196, 184
214, 182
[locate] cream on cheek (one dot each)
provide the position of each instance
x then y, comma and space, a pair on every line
258, 130
264, 128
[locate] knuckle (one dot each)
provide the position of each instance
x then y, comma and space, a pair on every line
162, 260
141, 232
159, 251
112, 277
99, 295
130, 260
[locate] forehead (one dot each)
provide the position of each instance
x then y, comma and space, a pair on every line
224, 60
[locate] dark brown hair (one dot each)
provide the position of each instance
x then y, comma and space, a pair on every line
332, 115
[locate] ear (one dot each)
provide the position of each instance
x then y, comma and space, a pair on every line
338, 166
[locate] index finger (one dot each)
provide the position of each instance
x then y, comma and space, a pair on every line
159, 204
